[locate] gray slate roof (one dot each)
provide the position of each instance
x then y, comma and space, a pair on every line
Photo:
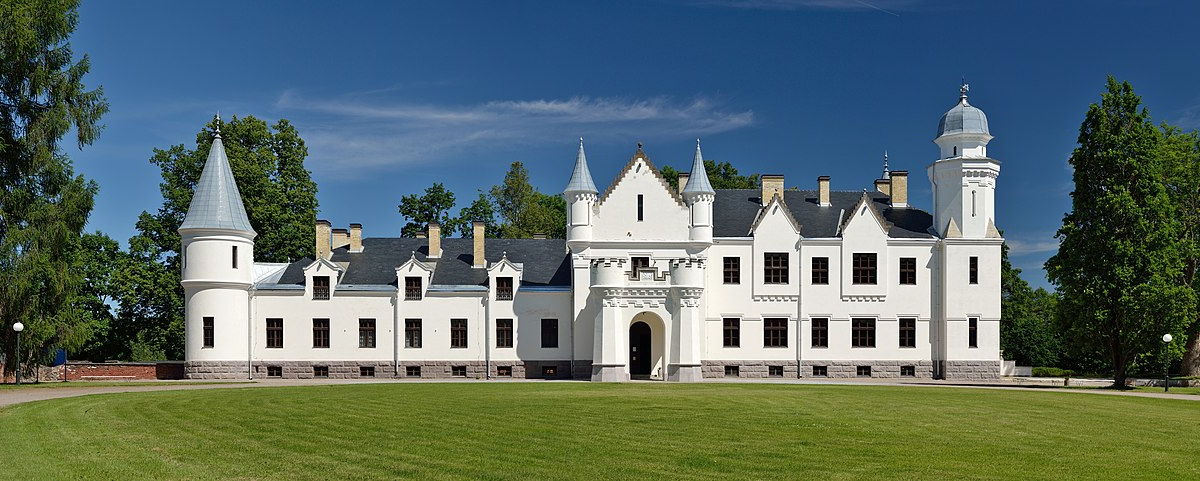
581, 177
698, 179
735, 209
963, 118
216, 203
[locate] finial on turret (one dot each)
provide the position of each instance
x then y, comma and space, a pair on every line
697, 143
217, 132
962, 90
886, 173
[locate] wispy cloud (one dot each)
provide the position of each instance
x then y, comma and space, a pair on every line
886, 6
1036, 245
1190, 117
353, 132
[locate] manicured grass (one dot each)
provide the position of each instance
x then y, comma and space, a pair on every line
57, 384
601, 431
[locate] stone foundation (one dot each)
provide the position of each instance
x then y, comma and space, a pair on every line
833, 369
215, 370
383, 369
748, 369
972, 370
581, 370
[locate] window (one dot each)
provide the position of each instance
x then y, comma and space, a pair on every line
731, 371
973, 274
412, 371
973, 332
733, 270
863, 333
775, 332
775, 267
549, 333
640, 209
366, 371
275, 333
458, 371
458, 333
366, 333
320, 371
235, 257
503, 371
504, 333
321, 288
864, 268
639, 263
320, 332
733, 332
820, 371
863, 371
908, 333
549, 371
504, 288
908, 270
274, 371
820, 332
955, 151
412, 333
208, 332
820, 270
412, 288
775, 371
908, 371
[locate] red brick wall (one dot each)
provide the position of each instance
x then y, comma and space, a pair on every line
80, 371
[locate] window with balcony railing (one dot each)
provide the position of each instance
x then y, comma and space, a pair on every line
504, 288
321, 288
412, 288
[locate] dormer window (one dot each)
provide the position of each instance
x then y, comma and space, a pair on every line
321, 288
412, 288
504, 288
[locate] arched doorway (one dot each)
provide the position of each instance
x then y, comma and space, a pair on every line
640, 359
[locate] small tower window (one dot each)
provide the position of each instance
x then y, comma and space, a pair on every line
955, 151
235, 257
973, 203
640, 207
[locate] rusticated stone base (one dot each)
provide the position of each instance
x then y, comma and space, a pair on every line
581, 370
215, 370
879, 369
972, 370
749, 369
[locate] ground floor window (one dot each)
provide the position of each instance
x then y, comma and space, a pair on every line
504, 371
864, 371
549, 371
458, 371
320, 371
366, 371
775, 371
412, 371
908, 371
274, 371
820, 371
731, 371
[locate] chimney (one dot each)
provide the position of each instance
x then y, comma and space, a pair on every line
435, 240
341, 238
772, 184
356, 238
477, 227
823, 191
900, 188
883, 186
421, 235
683, 178
323, 239
539, 236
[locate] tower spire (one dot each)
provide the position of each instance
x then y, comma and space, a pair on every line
581, 177
698, 179
216, 201
886, 173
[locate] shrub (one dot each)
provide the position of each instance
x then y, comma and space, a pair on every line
1052, 372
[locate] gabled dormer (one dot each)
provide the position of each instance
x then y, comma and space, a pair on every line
641, 206
504, 277
413, 278
321, 279
864, 261
776, 251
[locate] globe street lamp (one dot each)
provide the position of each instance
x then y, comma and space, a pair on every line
1166, 363
18, 327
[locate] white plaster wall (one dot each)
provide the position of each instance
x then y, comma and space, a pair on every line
527, 309
343, 309
964, 300
664, 218
864, 234
775, 233
227, 306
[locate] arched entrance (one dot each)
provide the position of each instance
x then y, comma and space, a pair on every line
640, 359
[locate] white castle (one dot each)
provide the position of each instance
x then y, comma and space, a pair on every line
650, 282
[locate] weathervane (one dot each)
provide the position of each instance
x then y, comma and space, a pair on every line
962, 90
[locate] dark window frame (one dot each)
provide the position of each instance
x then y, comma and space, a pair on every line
731, 329
504, 371
504, 333
908, 271
732, 371
366, 371
820, 332
235, 257
321, 289
973, 270
820, 371
504, 288
973, 332
549, 333
458, 371
775, 332
320, 371
641, 207
274, 371
774, 371
908, 371
412, 371
209, 332
862, 371
820, 271
862, 332
458, 334
731, 272
865, 270
274, 333
413, 290
908, 332
775, 268
366, 333
412, 333
321, 330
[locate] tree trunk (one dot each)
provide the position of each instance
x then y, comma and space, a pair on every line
1119, 366
1191, 355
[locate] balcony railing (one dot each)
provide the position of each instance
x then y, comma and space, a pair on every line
321, 293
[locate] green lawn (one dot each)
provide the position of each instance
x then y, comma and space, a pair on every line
590, 431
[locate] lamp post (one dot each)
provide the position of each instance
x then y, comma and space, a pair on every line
18, 327
1166, 363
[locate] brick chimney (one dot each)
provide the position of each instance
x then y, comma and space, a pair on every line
478, 228
772, 184
900, 188
823, 191
341, 238
683, 178
435, 240
356, 238
883, 186
323, 239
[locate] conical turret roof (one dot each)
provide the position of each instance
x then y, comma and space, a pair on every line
581, 177
698, 179
216, 203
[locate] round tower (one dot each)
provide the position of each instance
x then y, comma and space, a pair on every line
699, 195
964, 177
218, 270
580, 195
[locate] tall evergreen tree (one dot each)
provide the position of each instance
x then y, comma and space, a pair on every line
1119, 264
1182, 153
43, 204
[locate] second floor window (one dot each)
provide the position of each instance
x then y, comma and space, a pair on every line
321, 288
320, 332
820, 270
504, 288
908, 270
733, 270
504, 333
458, 333
275, 333
864, 268
412, 288
775, 267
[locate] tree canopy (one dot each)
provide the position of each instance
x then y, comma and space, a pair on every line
722, 175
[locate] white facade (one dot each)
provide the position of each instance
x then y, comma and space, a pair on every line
650, 282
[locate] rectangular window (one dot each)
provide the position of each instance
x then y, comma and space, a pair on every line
908, 271
639, 263
864, 268
973, 332
863, 332
235, 257
733, 270
733, 332
412, 333
820, 371
864, 371
504, 333
458, 371
640, 207
366, 333
908, 371
412, 288
820, 332
366, 371
274, 371
320, 333
321, 288
731, 371
775, 267
775, 371
775, 332
320, 371
275, 333
458, 333
504, 288
503, 371
908, 333
549, 333
412, 371
974, 270
549, 372
820, 270
208, 332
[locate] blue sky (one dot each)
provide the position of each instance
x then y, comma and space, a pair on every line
392, 97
